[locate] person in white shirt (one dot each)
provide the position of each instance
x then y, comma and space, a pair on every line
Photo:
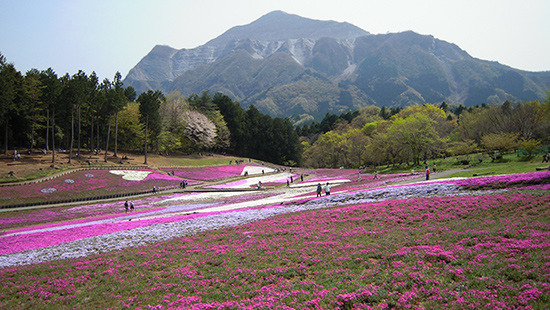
327, 189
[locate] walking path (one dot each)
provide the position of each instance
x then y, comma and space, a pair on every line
286, 193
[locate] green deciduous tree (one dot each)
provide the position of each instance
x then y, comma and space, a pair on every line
131, 130
417, 133
172, 112
529, 145
500, 141
326, 151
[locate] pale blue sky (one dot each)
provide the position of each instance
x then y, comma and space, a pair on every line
113, 35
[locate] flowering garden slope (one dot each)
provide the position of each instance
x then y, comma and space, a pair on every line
85, 183
430, 245
214, 172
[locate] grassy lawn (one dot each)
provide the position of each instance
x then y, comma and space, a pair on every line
480, 164
195, 161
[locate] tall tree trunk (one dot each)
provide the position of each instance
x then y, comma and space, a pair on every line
6, 138
47, 128
97, 136
79, 124
108, 132
53, 135
92, 136
146, 128
116, 133
72, 136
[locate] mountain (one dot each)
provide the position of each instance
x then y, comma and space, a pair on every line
291, 66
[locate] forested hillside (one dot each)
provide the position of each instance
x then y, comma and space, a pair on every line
410, 136
39, 110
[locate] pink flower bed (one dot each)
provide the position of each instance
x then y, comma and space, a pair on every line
24, 242
90, 182
209, 173
331, 173
454, 252
74, 222
523, 179
38, 216
437, 253
366, 181
227, 185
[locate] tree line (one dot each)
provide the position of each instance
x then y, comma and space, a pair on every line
73, 113
412, 135
78, 112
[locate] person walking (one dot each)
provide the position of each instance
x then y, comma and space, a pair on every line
327, 189
427, 173
126, 205
319, 189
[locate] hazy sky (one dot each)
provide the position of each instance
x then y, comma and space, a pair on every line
106, 36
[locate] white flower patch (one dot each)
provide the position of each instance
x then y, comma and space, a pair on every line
48, 190
69, 181
131, 175
89, 175
200, 197
166, 231
314, 184
256, 170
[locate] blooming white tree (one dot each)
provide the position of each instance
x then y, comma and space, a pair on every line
199, 129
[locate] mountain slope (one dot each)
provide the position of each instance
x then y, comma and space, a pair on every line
279, 26
296, 67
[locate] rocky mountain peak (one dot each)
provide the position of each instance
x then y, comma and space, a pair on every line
281, 26
296, 67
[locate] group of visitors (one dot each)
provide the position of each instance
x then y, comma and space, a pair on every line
239, 161
129, 206
320, 189
291, 180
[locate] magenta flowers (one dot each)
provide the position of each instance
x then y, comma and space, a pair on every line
423, 246
208, 173
84, 184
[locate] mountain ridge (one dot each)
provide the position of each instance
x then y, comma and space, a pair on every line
291, 66
281, 26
